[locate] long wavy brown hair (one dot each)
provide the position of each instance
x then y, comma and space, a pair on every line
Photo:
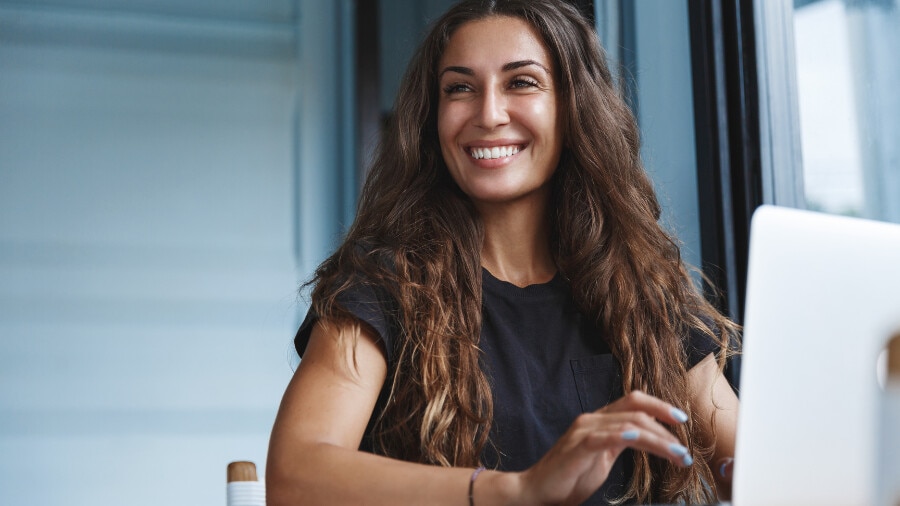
418, 238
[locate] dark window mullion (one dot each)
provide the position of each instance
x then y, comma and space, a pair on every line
712, 145
728, 144
743, 105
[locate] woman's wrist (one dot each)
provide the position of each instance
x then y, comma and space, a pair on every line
497, 488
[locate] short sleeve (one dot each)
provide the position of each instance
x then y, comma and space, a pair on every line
698, 346
371, 305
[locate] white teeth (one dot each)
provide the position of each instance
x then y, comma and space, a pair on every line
495, 152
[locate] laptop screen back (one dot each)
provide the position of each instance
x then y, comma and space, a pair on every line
823, 298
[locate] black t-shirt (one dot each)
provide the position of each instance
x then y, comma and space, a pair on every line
545, 361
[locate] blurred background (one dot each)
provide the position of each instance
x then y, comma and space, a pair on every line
171, 171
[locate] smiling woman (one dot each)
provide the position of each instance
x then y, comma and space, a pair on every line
506, 318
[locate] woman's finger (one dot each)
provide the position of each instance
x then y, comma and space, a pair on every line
633, 420
633, 430
725, 468
650, 442
656, 407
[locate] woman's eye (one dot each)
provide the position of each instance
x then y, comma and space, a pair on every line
456, 88
522, 82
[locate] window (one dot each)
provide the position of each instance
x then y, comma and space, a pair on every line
847, 76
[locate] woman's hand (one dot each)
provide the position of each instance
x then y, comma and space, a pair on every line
581, 460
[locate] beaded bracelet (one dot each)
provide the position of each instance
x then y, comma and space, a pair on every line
472, 485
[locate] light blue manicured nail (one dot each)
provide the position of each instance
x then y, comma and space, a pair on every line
687, 460
724, 465
679, 415
678, 450
630, 435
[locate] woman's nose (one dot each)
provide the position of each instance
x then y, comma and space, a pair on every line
493, 111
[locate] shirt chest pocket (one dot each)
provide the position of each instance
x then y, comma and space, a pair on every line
597, 381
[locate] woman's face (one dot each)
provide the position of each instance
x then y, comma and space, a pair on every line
498, 122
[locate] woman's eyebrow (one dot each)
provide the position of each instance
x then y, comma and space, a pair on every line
460, 70
513, 65
523, 63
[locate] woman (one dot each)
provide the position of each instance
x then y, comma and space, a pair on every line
506, 297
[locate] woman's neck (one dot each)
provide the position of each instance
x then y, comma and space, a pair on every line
516, 245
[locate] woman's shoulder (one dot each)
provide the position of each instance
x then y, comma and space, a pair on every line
357, 288
704, 335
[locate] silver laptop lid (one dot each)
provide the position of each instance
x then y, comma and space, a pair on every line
823, 296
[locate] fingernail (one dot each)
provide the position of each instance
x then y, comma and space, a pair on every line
678, 450
630, 435
679, 415
687, 460
725, 463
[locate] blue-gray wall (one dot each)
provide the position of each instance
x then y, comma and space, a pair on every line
159, 162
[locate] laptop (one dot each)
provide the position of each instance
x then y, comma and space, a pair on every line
823, 298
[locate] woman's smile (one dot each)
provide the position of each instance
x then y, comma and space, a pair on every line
495, 154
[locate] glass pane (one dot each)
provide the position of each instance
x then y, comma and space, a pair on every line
847, 76
665, 112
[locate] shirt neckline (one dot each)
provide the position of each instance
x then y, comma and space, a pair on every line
554, 287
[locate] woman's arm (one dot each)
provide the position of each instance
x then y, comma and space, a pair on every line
313, 452
715, 407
